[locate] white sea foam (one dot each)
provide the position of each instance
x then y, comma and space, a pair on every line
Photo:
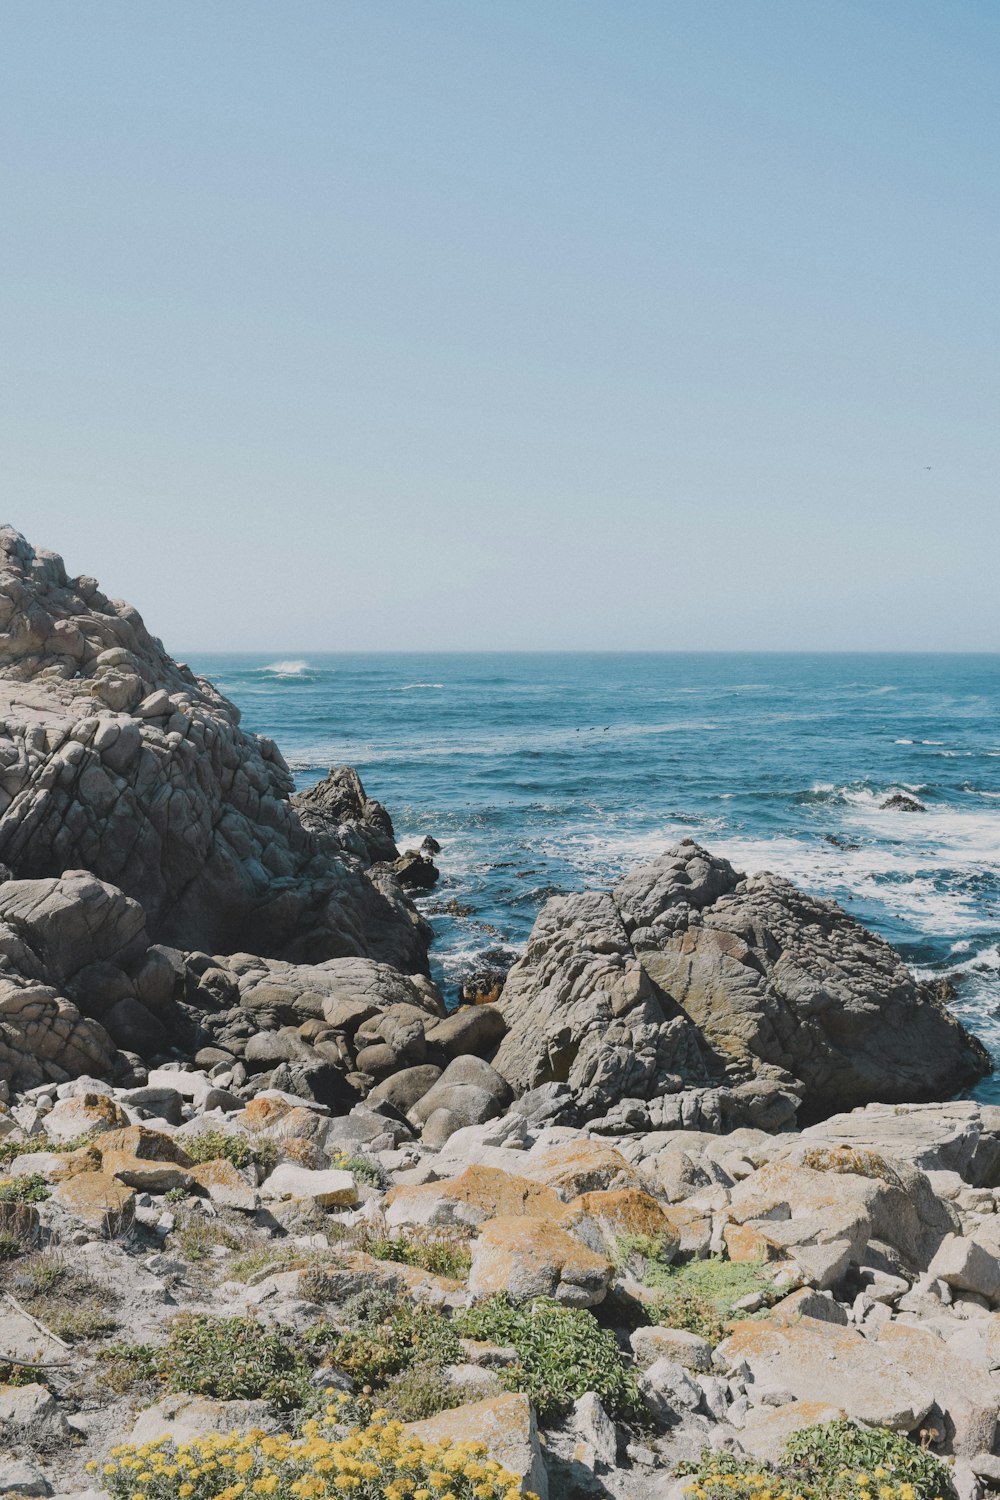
985, 962
411, 687
286, 668
915, 882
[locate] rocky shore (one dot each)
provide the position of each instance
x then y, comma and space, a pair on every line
687, 1184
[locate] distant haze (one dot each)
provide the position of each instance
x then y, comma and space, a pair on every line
556, 325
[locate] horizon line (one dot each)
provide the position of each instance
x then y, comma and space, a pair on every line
298, 651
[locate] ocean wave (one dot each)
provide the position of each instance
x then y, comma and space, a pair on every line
411, 687
984, 961
859, 794
286, 669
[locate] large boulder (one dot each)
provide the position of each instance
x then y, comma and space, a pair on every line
957, 1136
339, 808
831, 1194
581, 1010
689, 971
528, 1257
891, 1379
116, 759
62, 947
507, 1427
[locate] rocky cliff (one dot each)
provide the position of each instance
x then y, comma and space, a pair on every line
118, 760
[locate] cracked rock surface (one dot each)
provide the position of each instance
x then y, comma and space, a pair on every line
116, 759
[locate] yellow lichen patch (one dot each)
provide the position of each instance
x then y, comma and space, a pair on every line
487, 1191
749, 1242
528, 1257
626, 1211
144, 1144
575, 1167
303, 1153
860, 1161
218, 1173
98, 1200
84, 1159
261, 1114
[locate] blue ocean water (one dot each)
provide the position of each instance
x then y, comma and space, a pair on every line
541, 773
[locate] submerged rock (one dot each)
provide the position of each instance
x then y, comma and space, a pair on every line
899, 802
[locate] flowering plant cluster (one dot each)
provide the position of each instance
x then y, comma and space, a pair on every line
376, 1461
749, 1484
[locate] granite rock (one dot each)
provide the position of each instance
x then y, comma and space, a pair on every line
116, 759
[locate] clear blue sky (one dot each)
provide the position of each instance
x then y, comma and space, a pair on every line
509, 323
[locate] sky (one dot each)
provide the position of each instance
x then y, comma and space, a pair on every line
643, 324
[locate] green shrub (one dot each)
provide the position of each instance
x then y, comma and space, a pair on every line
422, 1390
651, 1249
833, 1461
274, 1258
216, 1145
196, 1235
15, 1374
825, 1451
363, 1169
126, 1365
31, 1189
230, 1359
387, 1337
11, 1150
234, 1359
700, 1295
561, 1354
80, 1321
75, 1143
440, 1256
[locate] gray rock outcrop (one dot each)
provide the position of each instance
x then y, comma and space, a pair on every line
57, 937
690, 971
581, 1010
116, 759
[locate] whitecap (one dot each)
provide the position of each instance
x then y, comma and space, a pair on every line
286, 668
907, 742
985, 961
409, 687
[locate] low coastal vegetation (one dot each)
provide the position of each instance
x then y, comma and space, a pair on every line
835, 1460
562, 1353
377, 1461
703, 1296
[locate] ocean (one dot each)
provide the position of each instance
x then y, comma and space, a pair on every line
543, 773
